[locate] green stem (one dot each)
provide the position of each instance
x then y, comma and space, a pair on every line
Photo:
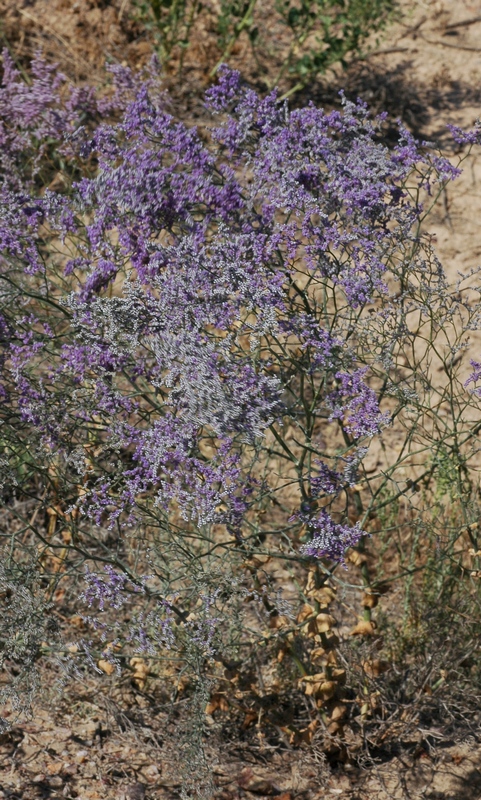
237, 32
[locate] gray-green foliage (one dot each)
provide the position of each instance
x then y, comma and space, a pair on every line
25, 624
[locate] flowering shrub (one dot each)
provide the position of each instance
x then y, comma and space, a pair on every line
201, 337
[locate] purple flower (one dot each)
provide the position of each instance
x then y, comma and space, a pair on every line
329, 539
328, 481
463, 137
475, 376
105, 590
356, 405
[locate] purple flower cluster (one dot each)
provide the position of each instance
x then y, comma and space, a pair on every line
328, 481
149, 631
325, 349
463, 137
329, 539
356, 405
475, 376
45, 117
110, 590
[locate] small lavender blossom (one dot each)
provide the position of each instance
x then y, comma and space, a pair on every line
330, 539
356, 405
149, 631
475, 376
105, 590
463, 137
328, 481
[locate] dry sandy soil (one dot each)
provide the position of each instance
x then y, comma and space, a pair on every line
101, 738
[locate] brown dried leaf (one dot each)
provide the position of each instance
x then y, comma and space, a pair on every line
327, 690
335, 728
312, 683
338, 711
297, 737
140, 666
311, 580
259, 560
249, 719
278, 621
305, 612
370, 600
324, 596
183, 683
324, 623
356, 558
319, 655
374, 667
77, 622
339, 675
364, 628
318, 678
106, 666
217, 701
